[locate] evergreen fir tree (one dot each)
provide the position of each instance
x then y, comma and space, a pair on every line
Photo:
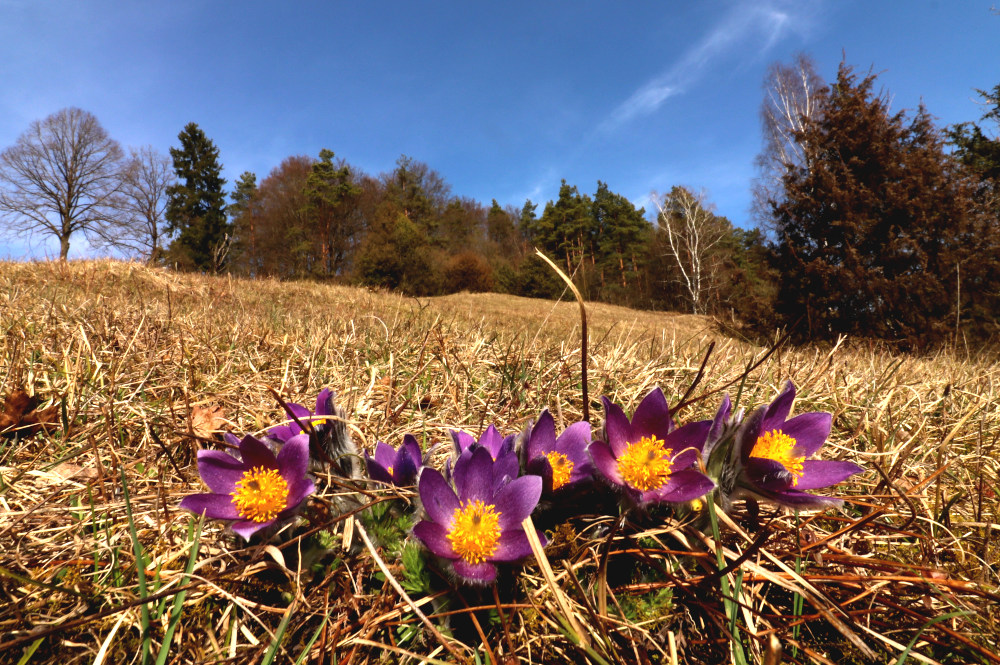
196, 207
243, 213
876, 227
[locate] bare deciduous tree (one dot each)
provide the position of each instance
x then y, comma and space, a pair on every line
60, 177
140, 204
692, 232
790, 97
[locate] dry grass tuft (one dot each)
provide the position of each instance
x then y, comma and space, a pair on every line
143, 364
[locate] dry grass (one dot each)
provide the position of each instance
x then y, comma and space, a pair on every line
131, 353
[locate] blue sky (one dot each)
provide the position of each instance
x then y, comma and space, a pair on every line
502, 99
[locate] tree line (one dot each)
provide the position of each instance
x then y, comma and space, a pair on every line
870, 222
322, 218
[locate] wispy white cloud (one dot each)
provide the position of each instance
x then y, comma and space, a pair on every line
747, 28
543, 186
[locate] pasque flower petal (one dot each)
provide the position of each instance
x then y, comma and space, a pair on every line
324, 403
220, 471
516, 500
810, 431
684, 485
404, 462
768, 474
434, 536
652, 451
514, 545
256, 453
617, 429
474, 475
384, 454
376, 470
479, 521
281, 479
298, 491
408, 460
247, 528
777, 411
293, 458
652, 416
215, 506
802, 500
287, 430
481, 573
605, 462
542, 438
778, 470
824, 473
437, 497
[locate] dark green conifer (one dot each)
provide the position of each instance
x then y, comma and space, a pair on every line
196, 207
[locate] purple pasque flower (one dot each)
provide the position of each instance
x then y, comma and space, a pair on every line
561, 461
398, 467
330, 442
256, 490
774, 451
723, 429
299, 415
719, 454
649, 459
477, 523
491, 439
498, 446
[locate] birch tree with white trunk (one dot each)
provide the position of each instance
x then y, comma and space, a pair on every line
693, 234
790, 98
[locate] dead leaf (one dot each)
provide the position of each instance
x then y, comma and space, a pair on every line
68, 471
21, 416
207, 420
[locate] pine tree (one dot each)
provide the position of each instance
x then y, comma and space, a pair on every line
528, 220
419, 192
196, 210
621, 232
980, 153
243, 213
567, 230
330, 191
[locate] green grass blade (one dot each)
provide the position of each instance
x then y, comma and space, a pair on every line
732, 607
903, 657
272, 651
312, 641
30, 651
140, 568
177, 609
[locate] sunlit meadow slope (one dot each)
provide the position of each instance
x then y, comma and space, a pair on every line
134, 357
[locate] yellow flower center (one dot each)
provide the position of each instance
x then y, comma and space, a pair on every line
388, 470
562, 469
475, 531
646, 464
778, 446
260, 494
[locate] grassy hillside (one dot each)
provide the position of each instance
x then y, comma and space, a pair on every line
145, 366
